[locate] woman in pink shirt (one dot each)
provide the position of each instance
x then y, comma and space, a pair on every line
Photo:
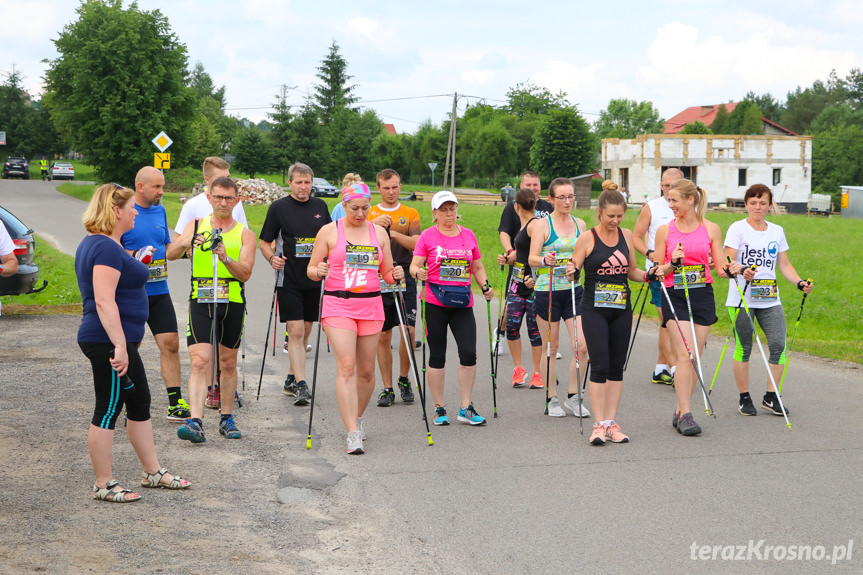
686, 245
352, 313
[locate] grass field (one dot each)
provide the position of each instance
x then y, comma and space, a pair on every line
821, 248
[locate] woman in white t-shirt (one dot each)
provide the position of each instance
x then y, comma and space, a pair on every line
755, 241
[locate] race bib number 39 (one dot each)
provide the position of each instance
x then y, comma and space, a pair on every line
206, 293
609, 295
764, 290
361, 258
158, 270
696, 277
559, 269
455, 270
304, 247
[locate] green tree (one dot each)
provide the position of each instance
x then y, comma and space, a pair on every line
282, 135
392, 151
333, 93
770, 107
348, 142
803, 106
836, 116
718, 126
494, 152
624, 118
526, 99
253, 153
16, 116
562, 145
695, 127
429, 145
308, 138
120, 79
836, 155
752, 124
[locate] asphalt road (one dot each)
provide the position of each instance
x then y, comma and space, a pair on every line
526, 493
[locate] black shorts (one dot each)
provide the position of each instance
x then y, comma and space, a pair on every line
229, 327
114, 393
299, 304
163, 318
410, 298
701, 300
561, 304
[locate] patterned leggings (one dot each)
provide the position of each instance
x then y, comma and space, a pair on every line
519, 308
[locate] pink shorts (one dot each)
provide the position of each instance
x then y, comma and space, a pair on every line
361, 326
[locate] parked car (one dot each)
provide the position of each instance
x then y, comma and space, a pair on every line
18, 167
323, 189
25, 280
62, 171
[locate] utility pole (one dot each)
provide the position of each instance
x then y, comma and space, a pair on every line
450, 147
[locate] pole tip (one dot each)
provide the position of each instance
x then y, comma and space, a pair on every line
309, 443
431, 442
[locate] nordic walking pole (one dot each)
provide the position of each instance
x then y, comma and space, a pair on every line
575, 346
267, 338
491, 349
728, 339
501, 319
761, 349
788, 353
275, 323
688, 350
406, 337
315, 370
694, 339
423, 300
634, 333
548, 340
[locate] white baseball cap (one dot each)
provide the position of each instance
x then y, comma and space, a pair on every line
441, 198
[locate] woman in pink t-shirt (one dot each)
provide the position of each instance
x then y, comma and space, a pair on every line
446, 259
352, 313
686, 245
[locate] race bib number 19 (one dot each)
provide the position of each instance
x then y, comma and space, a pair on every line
361, 258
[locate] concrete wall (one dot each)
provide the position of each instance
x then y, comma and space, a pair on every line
715, 162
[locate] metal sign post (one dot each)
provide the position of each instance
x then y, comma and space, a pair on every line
432, 166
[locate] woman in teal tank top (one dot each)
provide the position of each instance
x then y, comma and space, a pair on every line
552, 244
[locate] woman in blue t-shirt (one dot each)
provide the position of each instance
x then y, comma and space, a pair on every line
115, 310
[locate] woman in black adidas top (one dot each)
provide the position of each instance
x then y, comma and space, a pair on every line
607, 255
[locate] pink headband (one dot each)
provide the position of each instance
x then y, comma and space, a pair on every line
355, 191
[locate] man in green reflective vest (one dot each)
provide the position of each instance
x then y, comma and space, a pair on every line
43, 167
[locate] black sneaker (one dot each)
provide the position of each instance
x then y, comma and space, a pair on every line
387, 397
303, 393
745, 406
290, 387
405, 389
771, 404
664, 377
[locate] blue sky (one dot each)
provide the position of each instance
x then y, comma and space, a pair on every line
675, 53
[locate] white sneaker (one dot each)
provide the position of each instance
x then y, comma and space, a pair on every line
572, 405
558, 356
308, 347
355, 443
285, 349
554, 409
361, 428
501, 348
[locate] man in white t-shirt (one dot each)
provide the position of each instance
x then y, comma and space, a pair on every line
199, 207
653, 214
8, 259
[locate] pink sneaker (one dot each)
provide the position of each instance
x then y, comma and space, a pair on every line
614, 435
598, 435
518, 375
536, 381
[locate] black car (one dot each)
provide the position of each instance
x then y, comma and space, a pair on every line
18, 167
323, 189
25, 280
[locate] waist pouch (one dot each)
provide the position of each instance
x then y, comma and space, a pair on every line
451, 296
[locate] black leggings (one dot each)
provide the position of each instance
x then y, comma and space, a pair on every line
463, 326
606, 332
112, 393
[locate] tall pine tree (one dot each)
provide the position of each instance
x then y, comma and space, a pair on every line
333, 93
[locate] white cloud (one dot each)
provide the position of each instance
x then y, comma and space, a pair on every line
364, 26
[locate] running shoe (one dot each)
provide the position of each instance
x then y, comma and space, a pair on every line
387, 397
614, 435
771, 403
290, 387
687, 426
192, 430
663, 378
577, 410
470, 416
558, 356
597, 437
179, 412
536, 381
361, 428
212, 400
303, 393
308, 347
405, 389
745, 405
518, 375
229, 429
440, 417
675, 419
553, 408
355, 443
285, 349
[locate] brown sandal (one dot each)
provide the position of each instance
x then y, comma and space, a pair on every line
155, 480
107, 493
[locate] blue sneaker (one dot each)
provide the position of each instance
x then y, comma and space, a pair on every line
469, 415
192, 430
228, 429
440, 417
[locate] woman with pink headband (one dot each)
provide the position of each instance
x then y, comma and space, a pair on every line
353, 314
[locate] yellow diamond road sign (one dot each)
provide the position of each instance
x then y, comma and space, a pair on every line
162, 141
